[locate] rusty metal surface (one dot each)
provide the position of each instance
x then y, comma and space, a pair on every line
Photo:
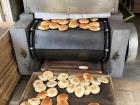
105, 97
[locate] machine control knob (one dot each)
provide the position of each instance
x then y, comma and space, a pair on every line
23, 53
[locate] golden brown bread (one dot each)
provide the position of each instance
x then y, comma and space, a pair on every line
94, 28
62, 97
52, 92
73, 24
92, 103
46, 22
63, 21
87, 76
83, 21
53, 25
43, 27
46, 101
63, 27
97, 24
94, 19
84, 26
42, 95
62, 103
55, 20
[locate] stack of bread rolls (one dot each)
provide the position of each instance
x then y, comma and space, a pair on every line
64, 24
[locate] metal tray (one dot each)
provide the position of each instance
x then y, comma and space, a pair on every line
105, 97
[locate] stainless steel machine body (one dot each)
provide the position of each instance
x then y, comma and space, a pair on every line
120, 32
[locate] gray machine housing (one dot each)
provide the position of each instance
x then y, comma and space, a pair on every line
121, 34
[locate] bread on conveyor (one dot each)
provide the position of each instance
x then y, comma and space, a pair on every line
43, 27
74, 80
46, 101
87, 90
55, 20
42, 78
84, 26
94, 19
71, 88
34, 101
40, 88
41, 95
94, 89
63, 83
83, 21
52, 79
51, 83
62, 76
52, 92
97, 24
47, 74
62, 103
46, 23
92, 103
61, 97
73, 24
79, 91
103, 79
87, 76
37, 82
53, 25
63, 21
95, 82
63, 27
94, 28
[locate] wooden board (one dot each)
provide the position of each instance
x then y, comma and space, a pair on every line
9, 75
105, 97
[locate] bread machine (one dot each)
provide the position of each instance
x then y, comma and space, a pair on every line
105, 51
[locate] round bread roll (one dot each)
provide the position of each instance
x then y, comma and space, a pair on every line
71, 88
62, 76
40, 88
55, 20
45, 23
62, 97
42, 78
43, 27
63, 84
53, 25
63, 21
41, 95
80, 77
52, 92
85, 83
95, 82
93, 28
92, 103
94, 19
74, 80
83, 67
46, 101
37, 83
94, 89
87, 90
83, 21
96, 24
87, 76
63, 27
63, 102
84, 26
52, 79
73, 24
103, 79
51, 83
25, 103
47, 75
34, 101
79, 91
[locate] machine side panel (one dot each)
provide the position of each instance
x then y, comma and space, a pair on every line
19, 33
120, 36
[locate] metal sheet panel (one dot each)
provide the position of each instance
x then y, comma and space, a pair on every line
70, 6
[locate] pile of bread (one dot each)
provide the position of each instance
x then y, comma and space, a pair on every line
64, 24
79, 84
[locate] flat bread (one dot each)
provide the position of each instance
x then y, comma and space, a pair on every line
62, 76
63, 27
52, 92
96, 24
73, 24
34, 101
83, 21
84, 26
43, 27
94, 89
94, 19
103, 79
47, 75
53, 25
62, 97
71, 88
25, 103
37, 83
87, 90
46, 23
63, 21
41, 95
40, 88
92, 103
51, 83
94, 28
79, 91
63, 84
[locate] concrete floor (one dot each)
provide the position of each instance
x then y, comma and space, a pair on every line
127, 88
